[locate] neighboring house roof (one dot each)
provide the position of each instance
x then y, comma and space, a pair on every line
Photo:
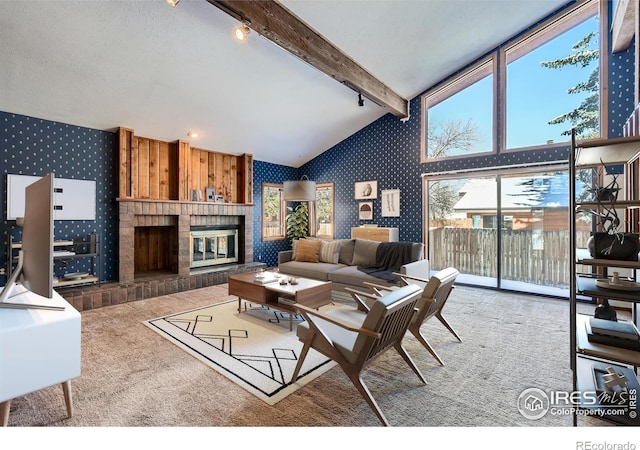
518, 193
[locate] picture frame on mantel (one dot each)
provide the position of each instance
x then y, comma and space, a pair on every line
211, 194
366, 189
390, 202
196, 195
365, 210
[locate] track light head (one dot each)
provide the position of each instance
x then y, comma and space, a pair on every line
241, 32
173, 3
360, 99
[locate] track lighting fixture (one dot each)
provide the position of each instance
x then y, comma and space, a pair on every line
173, 3
360, 99
241, 32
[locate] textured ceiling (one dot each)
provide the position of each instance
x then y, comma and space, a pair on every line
165, 71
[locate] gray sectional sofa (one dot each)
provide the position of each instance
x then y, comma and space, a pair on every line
357, 261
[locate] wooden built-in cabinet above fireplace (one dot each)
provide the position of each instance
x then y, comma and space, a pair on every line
158, 170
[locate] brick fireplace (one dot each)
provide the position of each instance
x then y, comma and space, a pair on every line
168, 224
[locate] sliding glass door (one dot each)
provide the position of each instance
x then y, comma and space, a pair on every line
461, 233
507, 229
534, 254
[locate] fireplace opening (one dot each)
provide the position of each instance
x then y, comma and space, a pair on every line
213, 245
156, 250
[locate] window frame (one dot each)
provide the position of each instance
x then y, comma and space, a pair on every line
495, 63
540, 35
451, 87
314, 215
281, 214
497, 173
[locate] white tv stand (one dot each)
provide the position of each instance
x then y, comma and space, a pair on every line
38, 348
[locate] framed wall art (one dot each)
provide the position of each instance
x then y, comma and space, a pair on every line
196, 195
365, 210
366, 189
390, 202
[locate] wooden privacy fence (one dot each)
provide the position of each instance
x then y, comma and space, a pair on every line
538, 257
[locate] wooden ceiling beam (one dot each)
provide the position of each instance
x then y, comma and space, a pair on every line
276, 23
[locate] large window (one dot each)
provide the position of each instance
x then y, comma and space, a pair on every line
273, 212
323, 217
552, 82
458, 117
531, 93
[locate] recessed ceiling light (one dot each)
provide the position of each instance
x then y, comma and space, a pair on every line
193, 134
173, 3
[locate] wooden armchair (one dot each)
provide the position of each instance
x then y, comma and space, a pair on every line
354, 338
434, 296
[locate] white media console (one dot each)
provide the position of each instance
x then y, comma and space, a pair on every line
38, 348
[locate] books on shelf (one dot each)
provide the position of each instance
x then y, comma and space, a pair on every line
617, 334
621, 329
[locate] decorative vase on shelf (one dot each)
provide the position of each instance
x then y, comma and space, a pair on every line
618, 246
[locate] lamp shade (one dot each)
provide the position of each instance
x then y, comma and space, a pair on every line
300, 191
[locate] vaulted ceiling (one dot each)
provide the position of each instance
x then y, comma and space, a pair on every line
166, 71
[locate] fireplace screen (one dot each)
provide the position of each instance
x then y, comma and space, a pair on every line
213, 247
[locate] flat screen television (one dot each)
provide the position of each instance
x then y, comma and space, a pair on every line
35, 259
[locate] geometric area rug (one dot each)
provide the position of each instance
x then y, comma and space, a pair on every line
255, 349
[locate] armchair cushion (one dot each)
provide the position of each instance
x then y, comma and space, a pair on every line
343, 339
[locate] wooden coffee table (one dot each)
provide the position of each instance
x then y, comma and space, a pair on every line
311, 293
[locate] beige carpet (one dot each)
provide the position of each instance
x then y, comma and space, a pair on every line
132, 377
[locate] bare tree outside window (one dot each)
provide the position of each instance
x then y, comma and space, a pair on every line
452, 136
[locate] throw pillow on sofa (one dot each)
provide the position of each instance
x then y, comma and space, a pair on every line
329, 251
294, 245
308, 251
346, 251
364, 253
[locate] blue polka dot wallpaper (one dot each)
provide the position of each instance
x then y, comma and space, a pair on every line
31, 146
267, 251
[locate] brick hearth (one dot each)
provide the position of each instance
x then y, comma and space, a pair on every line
184, 215
115, 293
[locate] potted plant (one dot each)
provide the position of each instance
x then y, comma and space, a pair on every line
298, 221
